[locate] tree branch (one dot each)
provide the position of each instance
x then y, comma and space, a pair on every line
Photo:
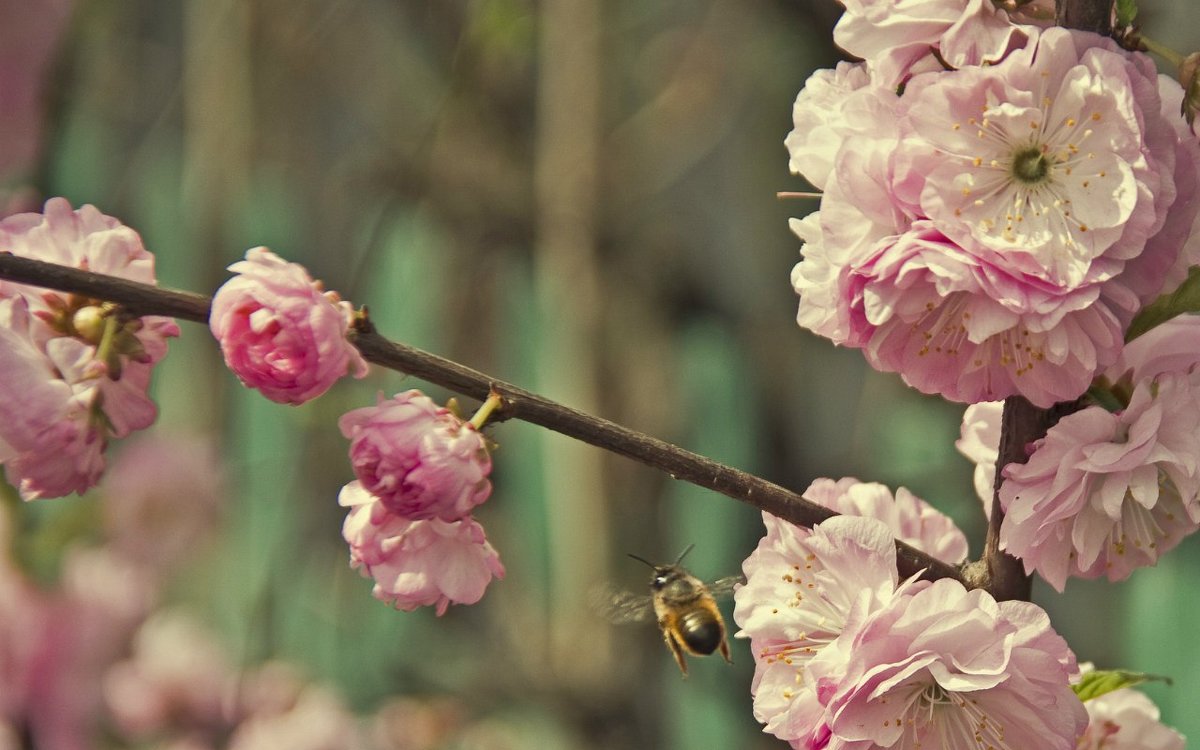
143, 299
1088, 15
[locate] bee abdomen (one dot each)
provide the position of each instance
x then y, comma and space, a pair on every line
701, 632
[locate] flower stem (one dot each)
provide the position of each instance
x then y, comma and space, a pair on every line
1162, 50
105, 350
493, 402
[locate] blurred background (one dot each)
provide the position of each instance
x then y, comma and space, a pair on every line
576, 196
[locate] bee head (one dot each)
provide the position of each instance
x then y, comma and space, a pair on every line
664, 575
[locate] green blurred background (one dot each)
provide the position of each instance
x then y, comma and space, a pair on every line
573, 195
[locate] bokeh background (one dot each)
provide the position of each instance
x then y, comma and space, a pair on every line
577, 196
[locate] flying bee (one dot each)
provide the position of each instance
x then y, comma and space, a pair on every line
685, 607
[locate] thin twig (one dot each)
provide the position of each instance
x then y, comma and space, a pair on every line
143, 299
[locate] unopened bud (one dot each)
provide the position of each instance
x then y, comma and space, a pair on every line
88, 323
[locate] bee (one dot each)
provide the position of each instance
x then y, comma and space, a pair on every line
685, 607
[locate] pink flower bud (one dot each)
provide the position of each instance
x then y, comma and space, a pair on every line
419, 459
279, 332
417, 563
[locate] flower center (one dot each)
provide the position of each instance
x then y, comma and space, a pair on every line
1030, 166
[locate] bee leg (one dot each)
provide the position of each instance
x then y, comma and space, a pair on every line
725, 651
676, 649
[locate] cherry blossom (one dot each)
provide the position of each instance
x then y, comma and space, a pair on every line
909, 518
971, 237
1126, 719
78, 370
280, 333
420, 459
980, 443
825, 112
802, 588
417, 563
1107, 492
162, 498
948, 667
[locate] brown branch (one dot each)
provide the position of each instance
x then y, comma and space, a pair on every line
143, 299
1088, 15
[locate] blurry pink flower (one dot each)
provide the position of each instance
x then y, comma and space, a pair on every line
418, 458
802, 588
279, 332
979, 441
317, 720
408, 723
1104, 493
29, 35
1126, 719
177, 676
24, 613
417, 563
909, 518
86, 627
88, 393
947, 667
162, 498
898, 36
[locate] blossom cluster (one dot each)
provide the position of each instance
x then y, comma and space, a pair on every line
848, 656
421, 470
992, 229
1105, 491
76, 369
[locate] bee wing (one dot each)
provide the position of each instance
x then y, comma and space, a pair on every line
723, 587
619, 606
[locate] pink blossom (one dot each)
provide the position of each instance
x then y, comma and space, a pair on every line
826, 110
24, 613
979, 441
909, 518
48, 442
177, 674
101, 601
74, 393
417, 563
952, 324
900, 36
1126, 719
317, 720
1024, 133
162, 498
919, 258
802, 588
1173, 346
29, 34
948, 667
279, 332
1104, 493
419, 458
